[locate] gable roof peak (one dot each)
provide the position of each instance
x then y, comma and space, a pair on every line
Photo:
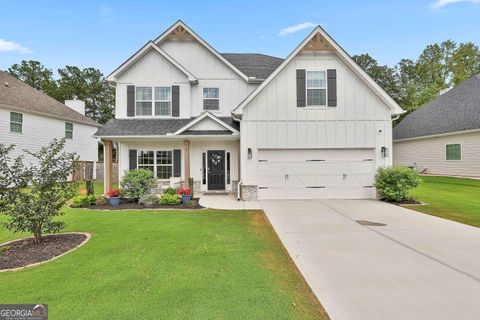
319, 45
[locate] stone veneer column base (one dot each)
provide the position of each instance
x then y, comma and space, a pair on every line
196, 186
249, 192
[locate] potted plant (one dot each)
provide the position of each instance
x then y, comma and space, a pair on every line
186, 195
113, 197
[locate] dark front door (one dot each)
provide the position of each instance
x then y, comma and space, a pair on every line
216, 169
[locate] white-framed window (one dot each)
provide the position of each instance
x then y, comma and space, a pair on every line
211, 99
163, 101
453, 152
143, 101
16, 122
160, 162
153, 101
68, 130
164, 164
316, 88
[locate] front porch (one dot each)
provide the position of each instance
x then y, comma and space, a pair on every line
213, 164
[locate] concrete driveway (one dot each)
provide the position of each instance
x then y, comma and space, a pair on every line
415, 267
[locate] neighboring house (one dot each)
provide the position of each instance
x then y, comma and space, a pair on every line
311, 126
443, 137
30, 119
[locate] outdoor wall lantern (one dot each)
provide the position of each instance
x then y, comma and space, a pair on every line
249, 153
384, 152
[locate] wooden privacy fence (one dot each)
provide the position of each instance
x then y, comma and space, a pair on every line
89, 170
99, 171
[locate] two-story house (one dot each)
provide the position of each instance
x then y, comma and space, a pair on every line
30, 119
313, 125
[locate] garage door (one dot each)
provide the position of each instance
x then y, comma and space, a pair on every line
316, 174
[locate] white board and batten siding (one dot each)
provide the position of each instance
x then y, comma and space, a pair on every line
430, 154
38, 131
360, 121
155, 70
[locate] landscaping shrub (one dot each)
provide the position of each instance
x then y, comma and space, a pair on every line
136, 183
149, 200
394, 183
100, 201
192, 203
169, 199
170, 190
83, 201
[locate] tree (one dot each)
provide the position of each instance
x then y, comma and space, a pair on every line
49, 189
36, 75
12, 176
465, 62
89, 85
383, 75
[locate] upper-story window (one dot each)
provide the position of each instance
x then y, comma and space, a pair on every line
16, 122
211, 99
68, 130
147, 97
316, 88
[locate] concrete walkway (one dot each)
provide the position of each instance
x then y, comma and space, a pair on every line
227, 202
416, 267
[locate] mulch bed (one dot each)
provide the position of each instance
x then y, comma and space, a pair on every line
128, 204
23, 252
404, 202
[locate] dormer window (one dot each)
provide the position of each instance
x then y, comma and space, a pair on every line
211, 99
147, 97
316, 88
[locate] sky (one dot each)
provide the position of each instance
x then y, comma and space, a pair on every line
103, 34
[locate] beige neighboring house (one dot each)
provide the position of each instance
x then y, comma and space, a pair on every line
30, 119
443, 137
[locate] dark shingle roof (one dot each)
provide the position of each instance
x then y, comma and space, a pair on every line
150, 127
456, 110
255, 65
20, 95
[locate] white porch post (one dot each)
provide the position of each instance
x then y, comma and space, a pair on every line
186, 161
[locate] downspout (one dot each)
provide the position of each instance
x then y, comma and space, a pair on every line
239, 185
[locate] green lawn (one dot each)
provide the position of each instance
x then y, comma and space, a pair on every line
451, 198
206, 264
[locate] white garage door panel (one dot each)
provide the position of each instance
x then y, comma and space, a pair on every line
316, 174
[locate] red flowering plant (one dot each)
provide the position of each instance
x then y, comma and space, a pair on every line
113, 194
184, 192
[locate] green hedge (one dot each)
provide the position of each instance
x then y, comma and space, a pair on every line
394, 183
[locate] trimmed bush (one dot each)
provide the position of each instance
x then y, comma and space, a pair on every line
170, 190
100, 201
83, 201
136, 183
169, 199
394, 183
149, 200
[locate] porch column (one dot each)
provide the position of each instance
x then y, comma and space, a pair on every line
107, 162
186, 161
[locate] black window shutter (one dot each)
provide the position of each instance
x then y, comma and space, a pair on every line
132, 159
301, 92
177, 163
130, 101
332, 87
175, 101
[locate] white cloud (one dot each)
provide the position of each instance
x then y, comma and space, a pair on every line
292, 29
6, 46
442, 3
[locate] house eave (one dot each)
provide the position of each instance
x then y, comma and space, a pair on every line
437, 135
48, 115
